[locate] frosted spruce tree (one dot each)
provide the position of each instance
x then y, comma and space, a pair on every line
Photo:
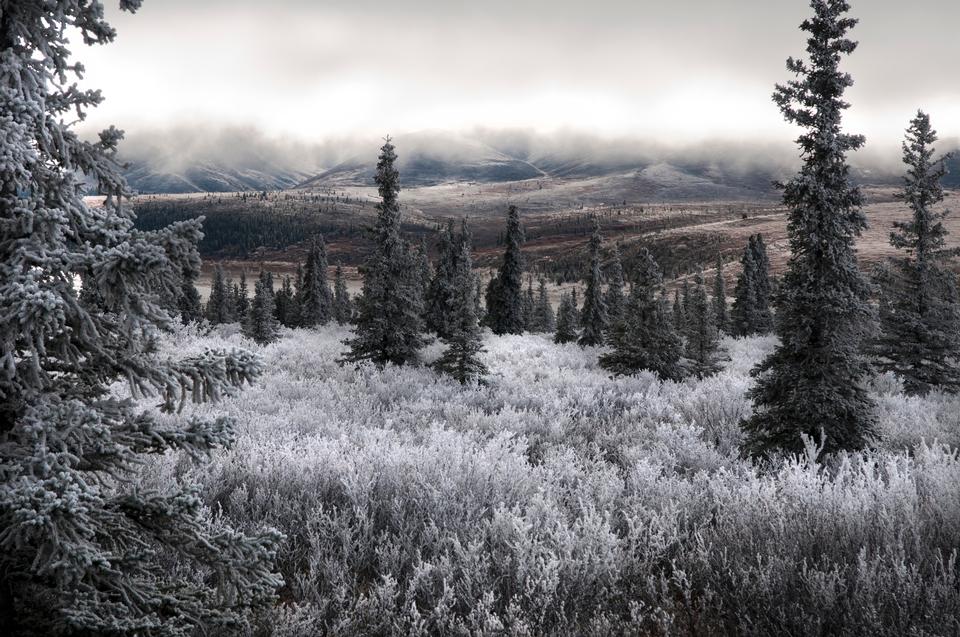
315, 299
593, 317
720, 312
920, 317
504, 292
702, 338
566, 330
342, 307
188, 304
461, 358
83, 550
677, 313
243, 297
389, 323
441, 290
529, 305
261, 324
544, 319
220, 303
613, 297
745, 313
814, 378
644, 337
762, 282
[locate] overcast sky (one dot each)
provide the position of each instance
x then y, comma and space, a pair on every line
679, 70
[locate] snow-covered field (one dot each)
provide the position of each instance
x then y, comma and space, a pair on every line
557, 500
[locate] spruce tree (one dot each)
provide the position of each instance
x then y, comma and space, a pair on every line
701, 331
504, 300
644, 337
188, 304
677, 315
744, 316
243, 297
461, 359
614, 295
261, 324
287, 306
543, 316
219, 304
593, 318
315, 299
720, 296
529, 305
566, 331
920, 318
342, 307
83, 551
814, 380
441, 289
389, 318
479, 301
764, 315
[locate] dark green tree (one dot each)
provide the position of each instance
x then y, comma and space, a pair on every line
83, 551
920, 317
745, 314
219, 306
342, 306
315, 299
814, 380
188, 304
644, 337
763, 292
461, 358
593, 317
261, 323
702, 344
389, 318
504, 293
566, 331
614, 295
441, 289
720, 296
243, 296
543, 316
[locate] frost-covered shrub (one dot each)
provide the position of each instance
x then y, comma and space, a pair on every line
559, 500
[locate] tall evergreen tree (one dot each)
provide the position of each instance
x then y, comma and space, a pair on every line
219, 305
763, 287
342, 307
461, 359
701, 331
745, 314
720, 296
566, 331
644, 337
82, 550
593, 318
479, 301
504, 299
287, 306
920, 318
813, 381
441, 289
529, 305
543, 316
261, 323
189, 305
389, 319
315, 299
677, 315
243, 296
614, 295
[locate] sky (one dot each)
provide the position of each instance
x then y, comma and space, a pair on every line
671, 71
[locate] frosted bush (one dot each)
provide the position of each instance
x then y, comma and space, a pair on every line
559, 500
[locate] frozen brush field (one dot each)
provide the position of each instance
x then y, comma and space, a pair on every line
558, 500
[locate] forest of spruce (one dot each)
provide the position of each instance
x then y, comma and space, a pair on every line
611, 448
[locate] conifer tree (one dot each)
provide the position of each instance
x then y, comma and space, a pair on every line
764, 316
744, 316
702, 337
423, 272
287, 307
543, 316
342, 307
504, 300
461, 359
644, 337
677, 315
441, 290
529, 305
814, 380
614, 295
261, 324
566, 331
593, 318
720, 296
316, 301
920, 318
189, 305
243, 296
389, 318
219, 308
82, 550
479, 301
